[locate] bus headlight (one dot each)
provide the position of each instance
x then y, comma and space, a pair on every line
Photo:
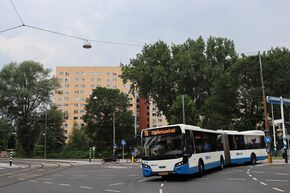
145, 166
179, 163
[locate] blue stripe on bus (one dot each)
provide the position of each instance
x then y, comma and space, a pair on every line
146, 172
246, 159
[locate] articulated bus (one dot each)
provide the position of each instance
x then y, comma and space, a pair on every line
185, 149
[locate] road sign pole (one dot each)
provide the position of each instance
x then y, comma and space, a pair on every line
284, 131
123, 151
274, 131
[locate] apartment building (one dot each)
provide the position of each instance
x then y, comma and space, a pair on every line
77, 84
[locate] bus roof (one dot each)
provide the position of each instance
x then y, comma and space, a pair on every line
250, 132
186, 127
197, 128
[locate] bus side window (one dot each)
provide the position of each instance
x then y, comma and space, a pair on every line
220, 145
189, 141
198, 140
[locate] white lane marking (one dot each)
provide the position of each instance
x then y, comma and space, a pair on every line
162, 185
142, 180
248, 172
263, 183
33, 181
237, 179
250, 175
281, 174
64, 184
278, 189
277, 180
116, 184
108, 190
86, 187
255, 179
160, 191
47, 182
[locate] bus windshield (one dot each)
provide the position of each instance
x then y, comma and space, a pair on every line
162, 146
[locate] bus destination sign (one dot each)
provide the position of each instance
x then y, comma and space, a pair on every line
161, 131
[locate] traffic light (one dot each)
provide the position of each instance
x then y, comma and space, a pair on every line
11, 142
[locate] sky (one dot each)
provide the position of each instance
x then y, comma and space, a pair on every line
252, 24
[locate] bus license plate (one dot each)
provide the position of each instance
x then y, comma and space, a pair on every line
163, 173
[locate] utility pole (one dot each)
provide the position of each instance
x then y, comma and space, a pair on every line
183, 110
45, 134
265, 107
114, 133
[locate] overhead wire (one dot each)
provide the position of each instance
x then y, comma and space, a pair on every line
63, 34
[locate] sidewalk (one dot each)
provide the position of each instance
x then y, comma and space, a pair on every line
275, 161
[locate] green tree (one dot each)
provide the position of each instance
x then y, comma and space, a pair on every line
24, 89
102, 105
55, 138
162, 73
189, 109
276, 69
78, 139
5, 132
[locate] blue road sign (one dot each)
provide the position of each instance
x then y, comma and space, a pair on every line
268, 139
277, 100
123, 142
273, 100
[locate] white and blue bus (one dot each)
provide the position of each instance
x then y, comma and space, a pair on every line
185, 149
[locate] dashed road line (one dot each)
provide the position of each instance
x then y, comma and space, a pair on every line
281, 174
255, 179
142, 180
160, 191
47, 182
116, 184
263, 183
270, 180
280, 190
86, 187
108, 190
65, 185
162, 185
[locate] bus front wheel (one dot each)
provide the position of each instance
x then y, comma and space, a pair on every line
200, 168
253, 159
222, 163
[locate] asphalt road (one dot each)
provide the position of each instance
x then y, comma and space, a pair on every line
74, 177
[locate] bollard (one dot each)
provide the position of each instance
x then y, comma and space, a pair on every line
133, 160
10, 163
90, 160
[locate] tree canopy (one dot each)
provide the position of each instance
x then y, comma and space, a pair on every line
101, 106
25, 89
225, 88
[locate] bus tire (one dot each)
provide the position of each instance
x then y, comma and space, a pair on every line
222, 163
200, 168
253, 159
